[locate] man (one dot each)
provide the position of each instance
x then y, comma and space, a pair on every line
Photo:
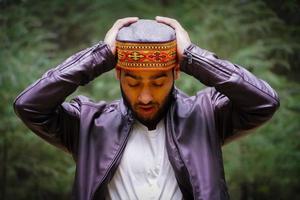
156, 142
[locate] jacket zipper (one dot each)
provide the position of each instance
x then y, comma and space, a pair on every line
181, 157
114, 160
190, 57
87, 51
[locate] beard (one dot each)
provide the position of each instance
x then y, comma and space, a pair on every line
152, 121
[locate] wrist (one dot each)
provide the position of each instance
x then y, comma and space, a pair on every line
111, 47
104, 57
186, 57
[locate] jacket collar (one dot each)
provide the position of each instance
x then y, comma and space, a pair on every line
125, 111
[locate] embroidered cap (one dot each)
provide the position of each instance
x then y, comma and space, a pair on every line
146, 44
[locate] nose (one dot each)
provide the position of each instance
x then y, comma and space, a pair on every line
145, 96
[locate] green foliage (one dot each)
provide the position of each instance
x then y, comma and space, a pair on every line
37, 35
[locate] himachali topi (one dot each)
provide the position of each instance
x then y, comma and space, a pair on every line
146, 45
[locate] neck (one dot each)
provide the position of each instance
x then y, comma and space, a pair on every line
151, 125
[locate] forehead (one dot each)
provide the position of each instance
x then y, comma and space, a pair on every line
147, 74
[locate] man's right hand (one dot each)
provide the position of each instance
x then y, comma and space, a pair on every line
110, 37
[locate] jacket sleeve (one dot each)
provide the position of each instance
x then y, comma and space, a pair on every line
240, 100
41, 106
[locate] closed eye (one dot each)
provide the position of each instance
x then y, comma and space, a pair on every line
158, 84
132, 82
133, 85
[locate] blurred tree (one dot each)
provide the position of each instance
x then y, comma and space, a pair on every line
261, 35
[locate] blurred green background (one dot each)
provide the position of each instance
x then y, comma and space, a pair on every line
263, 36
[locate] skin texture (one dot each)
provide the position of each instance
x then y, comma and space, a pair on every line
182, 37
147, 92
111, 35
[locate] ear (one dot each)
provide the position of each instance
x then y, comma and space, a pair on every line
176, 73
118, 73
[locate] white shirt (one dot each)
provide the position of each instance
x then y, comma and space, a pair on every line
145, 171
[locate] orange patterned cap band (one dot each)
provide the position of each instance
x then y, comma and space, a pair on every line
154, 56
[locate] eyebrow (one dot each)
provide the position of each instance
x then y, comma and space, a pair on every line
151, 77
132, 76
158, 76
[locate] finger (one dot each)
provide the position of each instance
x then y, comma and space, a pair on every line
124, 21
111, 35
169, 21
119, 24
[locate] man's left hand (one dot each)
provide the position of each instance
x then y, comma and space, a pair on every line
182, 37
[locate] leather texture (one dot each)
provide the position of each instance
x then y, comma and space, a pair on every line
95, 133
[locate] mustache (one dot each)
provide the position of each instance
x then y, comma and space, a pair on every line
142, 105
151, 103
146, 104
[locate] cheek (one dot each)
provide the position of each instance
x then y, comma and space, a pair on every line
162, 93
130, 94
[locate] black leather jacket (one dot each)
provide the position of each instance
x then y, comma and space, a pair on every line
196, 126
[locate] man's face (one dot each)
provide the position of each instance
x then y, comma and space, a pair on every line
147, 92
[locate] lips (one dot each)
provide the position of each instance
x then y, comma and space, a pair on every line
146, 109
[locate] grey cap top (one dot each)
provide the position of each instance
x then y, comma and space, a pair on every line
145, 30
